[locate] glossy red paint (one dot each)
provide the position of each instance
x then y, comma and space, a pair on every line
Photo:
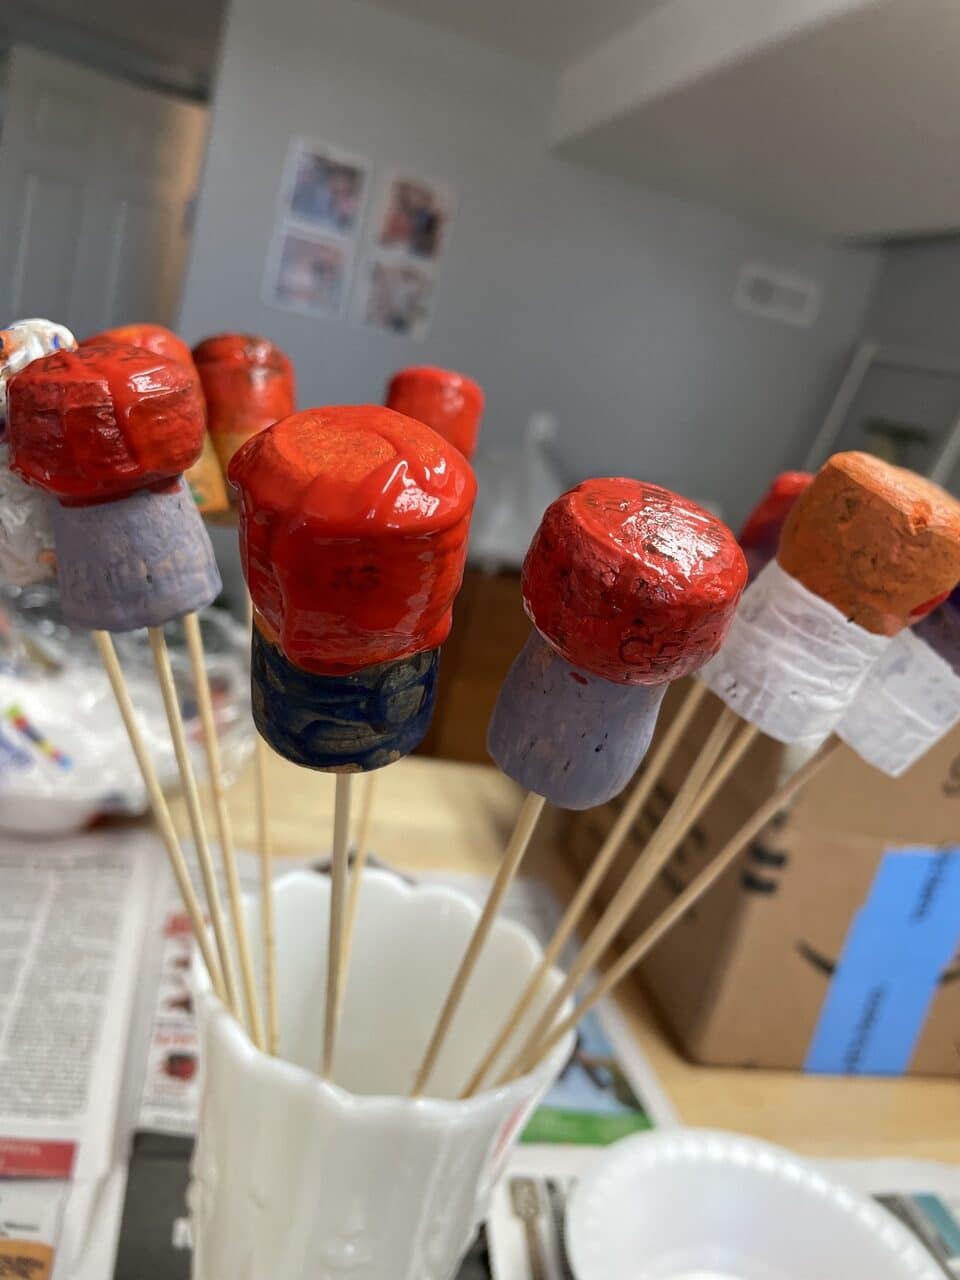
760, 536
151, 337
449, 402
632, 582
766, 519
102, 422
353, 534
205, 477
928, 606
248, 384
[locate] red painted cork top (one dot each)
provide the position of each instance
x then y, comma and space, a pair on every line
353, 534
248, 384
760, 535
770, 512
101, 422
879, 543
449, 402
151, 337
632, 582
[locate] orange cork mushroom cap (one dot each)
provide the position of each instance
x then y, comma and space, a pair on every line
878, 542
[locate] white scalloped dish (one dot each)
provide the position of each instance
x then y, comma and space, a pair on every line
696, 1204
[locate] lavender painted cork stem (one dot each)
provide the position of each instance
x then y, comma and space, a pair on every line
566, 734
136, 562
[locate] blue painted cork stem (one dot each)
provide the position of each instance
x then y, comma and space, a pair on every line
137, 562
566, 734
351, 723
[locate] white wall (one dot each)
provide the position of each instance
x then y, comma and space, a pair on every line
562, 289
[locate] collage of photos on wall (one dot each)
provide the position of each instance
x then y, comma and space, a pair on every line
321, 236
314, 244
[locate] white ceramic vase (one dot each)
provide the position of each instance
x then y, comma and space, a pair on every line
351, 1179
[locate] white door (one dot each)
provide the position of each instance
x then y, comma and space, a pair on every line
96, 182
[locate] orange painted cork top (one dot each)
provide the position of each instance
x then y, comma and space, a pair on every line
878, 542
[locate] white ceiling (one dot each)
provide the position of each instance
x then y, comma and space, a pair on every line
849, 126
550, 32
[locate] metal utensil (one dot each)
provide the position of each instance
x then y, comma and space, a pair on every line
527, 1206
557, 1197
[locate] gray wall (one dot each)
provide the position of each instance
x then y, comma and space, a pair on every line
915, 306
564, 289
917, 299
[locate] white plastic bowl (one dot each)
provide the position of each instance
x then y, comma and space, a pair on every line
695, 1204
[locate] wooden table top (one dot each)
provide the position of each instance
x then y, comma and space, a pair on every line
440, 815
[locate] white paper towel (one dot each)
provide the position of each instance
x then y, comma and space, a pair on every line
792, 663
908, 701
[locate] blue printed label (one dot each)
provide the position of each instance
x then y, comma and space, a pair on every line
899, 944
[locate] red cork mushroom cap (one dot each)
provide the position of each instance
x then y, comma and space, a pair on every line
151, 337
248, 384
632, 582
205, 477
353, 535
760, 536
449, 402
766, 519
101, 422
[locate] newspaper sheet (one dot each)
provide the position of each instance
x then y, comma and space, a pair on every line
73, 916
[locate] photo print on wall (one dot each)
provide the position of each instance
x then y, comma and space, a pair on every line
402, 253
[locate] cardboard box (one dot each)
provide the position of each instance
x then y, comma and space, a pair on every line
828, 947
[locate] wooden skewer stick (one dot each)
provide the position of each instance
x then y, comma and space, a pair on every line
575, 912
268, 934
691, 894
267, 914
168, 690
361, 849
158, 803
338, 884
523, 831
691, 799
211, 744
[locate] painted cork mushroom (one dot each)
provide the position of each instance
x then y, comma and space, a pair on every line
866, 550
353, 535
205, 477
449, 402
353, 538
108, 431
629, 587
248, 384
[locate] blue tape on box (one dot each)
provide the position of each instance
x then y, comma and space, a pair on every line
898, 946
